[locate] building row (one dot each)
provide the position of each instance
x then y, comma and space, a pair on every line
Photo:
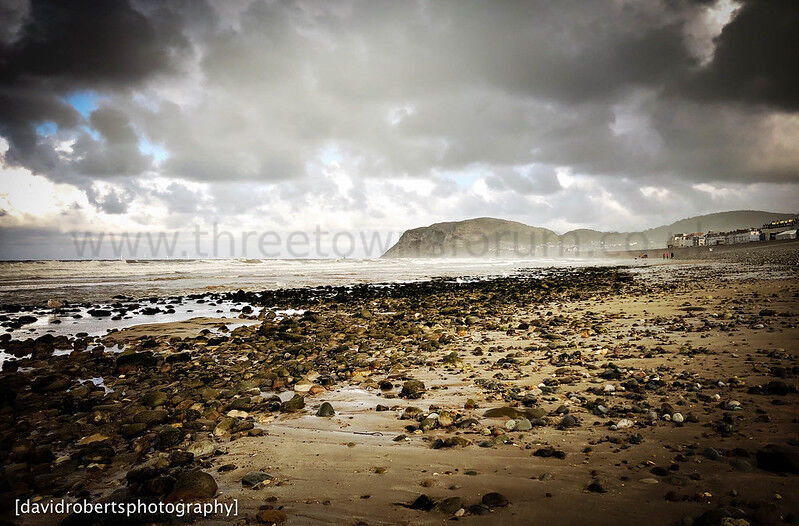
776, 230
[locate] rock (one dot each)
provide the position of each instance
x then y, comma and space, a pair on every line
325, 410
154, 399
209, 393
568, 421
193, 485
271, 516
242, 403
512, 412
136, 359
151, 416
449, 505
452, 358
132, 430
202, 449
412, 389
410, 413
149, 469
168, 437
445, 419
55, 304
677, 418
296, 403
430, 422
422, 502
224, 427
478, 509
92, 439
254, 478
303, 387
522, 424
453, 441
596, 487
546, 452
778, 459
180, 458
712, 454
624, 423
495, 500
178, 357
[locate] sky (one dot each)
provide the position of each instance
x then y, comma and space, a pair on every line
134, 116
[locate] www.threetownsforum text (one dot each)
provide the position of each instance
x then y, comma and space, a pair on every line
320, 243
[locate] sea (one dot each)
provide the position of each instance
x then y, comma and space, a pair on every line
27, 286
36, 282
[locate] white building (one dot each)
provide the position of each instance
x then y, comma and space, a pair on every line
714, 238
742, 236
681, 241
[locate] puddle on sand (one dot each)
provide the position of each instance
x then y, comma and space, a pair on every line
97, 381
284, 396
282, 313
66, 324
6, 357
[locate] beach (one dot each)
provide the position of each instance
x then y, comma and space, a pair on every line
565, 395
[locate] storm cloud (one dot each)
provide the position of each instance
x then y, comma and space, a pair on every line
564, 113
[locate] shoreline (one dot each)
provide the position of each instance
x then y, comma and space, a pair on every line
85, 282
542, 350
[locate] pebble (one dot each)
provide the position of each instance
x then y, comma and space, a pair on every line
495, 500
325, 410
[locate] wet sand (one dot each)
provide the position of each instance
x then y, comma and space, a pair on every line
326, 470
601, 362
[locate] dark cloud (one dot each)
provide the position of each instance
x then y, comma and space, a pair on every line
756, 57
51, 48
90, 43
13, 14
113, 125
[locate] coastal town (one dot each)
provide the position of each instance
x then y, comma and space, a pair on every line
783, 229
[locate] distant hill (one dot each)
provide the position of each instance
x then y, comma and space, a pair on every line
491, 237
483, 236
